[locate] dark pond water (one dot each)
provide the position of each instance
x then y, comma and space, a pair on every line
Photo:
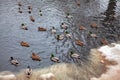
54, 13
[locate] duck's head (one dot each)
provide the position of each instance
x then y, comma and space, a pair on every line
62, 23
53, 27
11, 58
28, 66
71, 52
90, 32
33, 54
52, 55
22, 24
68, 14
66, 32
40, 11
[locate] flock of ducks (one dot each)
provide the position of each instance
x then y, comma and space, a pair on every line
64, 26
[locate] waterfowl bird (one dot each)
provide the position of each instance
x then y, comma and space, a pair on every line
19, 10
14, 61
53, 31
19, 4
68, 35
64, 26
25, 44
40, 12
23, 26
69, 16
78, 42
94, 25
28, 72
93, 35
54, 59
77, 2
104, 41
74, 55
35, 57
30, 7
60, 37
42, 29
82, 28
32, 18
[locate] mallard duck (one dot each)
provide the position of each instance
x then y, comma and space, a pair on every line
74, 55
60, 37
19, 10
92, 35
32, 18
68, 35
23, 26
35, 57
104, 41
78, 2
14, 61
42, 29
40, 12
19, 4
64, 26
53, 31
28, 72
78, 42
69, 16
30, 7
94, 25
54, 59
25, 44
82, 28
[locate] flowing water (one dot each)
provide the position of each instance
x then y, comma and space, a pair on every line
44, 43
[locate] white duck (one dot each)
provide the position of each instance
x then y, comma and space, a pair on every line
28, 72
14, 61
54, 59
64, 26
74, 55
93, 35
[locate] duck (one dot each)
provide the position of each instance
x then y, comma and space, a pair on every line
40, 12
32, 18
54, 59
68, 35
19, 10
23, 26
14, 61
53, 31
64, 26
30, 7
60, 37
104, 41
82, 28
19, 4
74, 55
78, 2
24, 44
94, 25
93, 35
69, 16
42, 29
28, 72
35, 57
78, 42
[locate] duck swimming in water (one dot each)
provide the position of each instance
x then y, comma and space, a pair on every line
54, 59
40, 12
19, 4
94, 25
35, 57
64, 26
25, 44
28, 72
78, 42
60, 37
53, 30
32, 18
104, 41
14, 61
82, 28
23, 26
92, 35
69, 16
42, 29
19, 10
68, 35
74, 55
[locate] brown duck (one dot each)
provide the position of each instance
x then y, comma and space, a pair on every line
35, 57
42, 29
104, 41
25, 44
78, 42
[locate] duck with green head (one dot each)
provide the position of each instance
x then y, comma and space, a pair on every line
53, 30
54, 59
68, 35
92, 35
23, 26
40, 12
64, 26
60, 37
74, 55
14, 61
69, 16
